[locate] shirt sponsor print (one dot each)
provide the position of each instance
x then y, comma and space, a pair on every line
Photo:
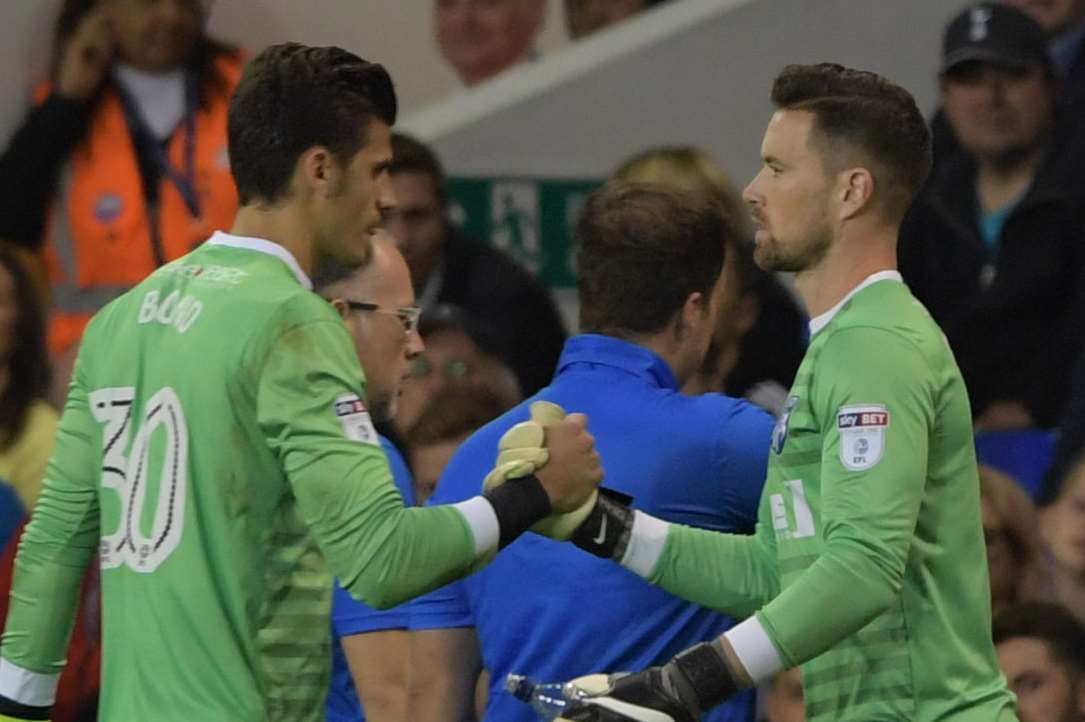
355, 420
862, 435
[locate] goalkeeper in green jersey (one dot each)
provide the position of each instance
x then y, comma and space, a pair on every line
217, 452
868, 565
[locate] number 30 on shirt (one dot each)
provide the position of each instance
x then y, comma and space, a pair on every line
132, 543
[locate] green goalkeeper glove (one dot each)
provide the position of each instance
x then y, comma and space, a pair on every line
520, 452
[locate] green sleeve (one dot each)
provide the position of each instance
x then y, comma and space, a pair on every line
58, 544
382, 552
868, 516
731, 573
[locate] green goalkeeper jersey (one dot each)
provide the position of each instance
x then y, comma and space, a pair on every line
868, 566
216, 451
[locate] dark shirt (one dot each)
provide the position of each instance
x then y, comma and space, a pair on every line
492, 287
1013, 313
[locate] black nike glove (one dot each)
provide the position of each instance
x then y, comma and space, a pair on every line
695, 680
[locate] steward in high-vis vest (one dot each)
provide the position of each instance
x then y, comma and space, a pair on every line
121, 166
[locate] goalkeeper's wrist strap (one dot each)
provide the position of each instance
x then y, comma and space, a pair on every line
518, 504
705, 675
607, 530
11, 710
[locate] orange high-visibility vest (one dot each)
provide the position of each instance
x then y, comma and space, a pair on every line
99, 241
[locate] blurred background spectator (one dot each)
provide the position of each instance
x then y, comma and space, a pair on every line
452, 415
1064, 23
121, 165
584, 17
995, 246
481, 38
461, 351
1063, 530
27, 421
1015, 552
1071, 440
1041, 649
760, 337
449, 268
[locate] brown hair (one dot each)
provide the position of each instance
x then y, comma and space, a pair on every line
292, 97
862, 112
643, 250
1021, 523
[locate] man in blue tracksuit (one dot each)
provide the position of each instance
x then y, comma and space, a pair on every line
650, 261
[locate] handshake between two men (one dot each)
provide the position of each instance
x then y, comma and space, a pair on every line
556, 452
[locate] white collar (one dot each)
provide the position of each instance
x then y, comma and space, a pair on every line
220, 238
816, 324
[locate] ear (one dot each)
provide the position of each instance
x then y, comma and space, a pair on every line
340, 307
693, 313
318, 171
855, 188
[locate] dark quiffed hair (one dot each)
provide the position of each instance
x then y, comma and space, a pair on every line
201, 60
28, 364
412, 156
867, 113
1049, 623
644, 249
292, 97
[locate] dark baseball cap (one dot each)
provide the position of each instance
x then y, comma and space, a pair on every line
994, 33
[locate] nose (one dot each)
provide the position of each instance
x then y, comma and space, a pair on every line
750, 193
415, 345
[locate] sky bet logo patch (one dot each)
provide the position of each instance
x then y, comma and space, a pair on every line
355, 420
862, 435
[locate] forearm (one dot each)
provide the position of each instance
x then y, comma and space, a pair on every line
30, 166
384, 553
731, 573
380, 664
447, 664
55, 550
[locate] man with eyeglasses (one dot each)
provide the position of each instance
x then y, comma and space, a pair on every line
369, 648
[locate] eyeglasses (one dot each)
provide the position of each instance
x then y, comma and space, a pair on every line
408, 315
453, 369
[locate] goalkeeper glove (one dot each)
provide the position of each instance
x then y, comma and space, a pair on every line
695, 680
521, 452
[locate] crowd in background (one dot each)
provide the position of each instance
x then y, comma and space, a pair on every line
120, 166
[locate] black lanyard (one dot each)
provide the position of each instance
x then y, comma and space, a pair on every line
147, 145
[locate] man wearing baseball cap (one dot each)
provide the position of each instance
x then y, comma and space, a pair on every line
996, 247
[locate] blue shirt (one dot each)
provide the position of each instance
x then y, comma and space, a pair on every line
350, 616
552, 612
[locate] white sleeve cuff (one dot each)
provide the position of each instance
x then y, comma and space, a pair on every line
28, 688
482, 519
755, 650
646, 541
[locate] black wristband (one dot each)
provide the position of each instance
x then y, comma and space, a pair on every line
705, 674
12, 708
518, 503
606, 531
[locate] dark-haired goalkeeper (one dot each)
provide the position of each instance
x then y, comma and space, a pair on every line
868, 567
217, 449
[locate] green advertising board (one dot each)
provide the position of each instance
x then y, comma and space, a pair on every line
532, 219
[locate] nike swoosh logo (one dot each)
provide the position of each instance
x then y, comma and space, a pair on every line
602, 532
